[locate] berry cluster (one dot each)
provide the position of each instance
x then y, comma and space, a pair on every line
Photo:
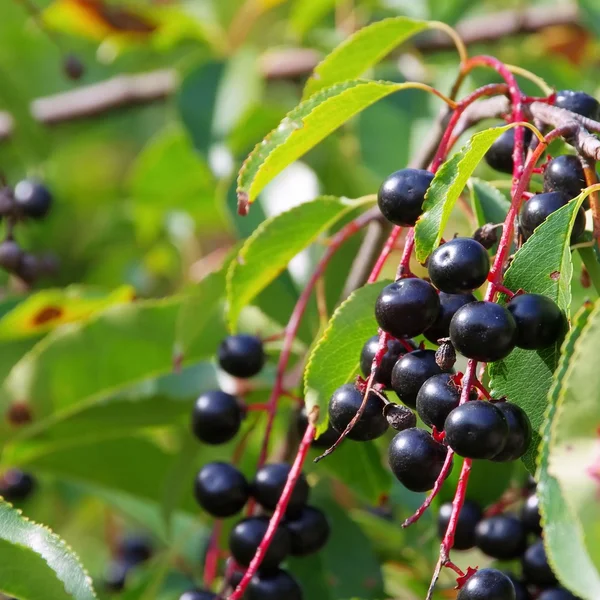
223, 491
132, 551
505, 536
28, 200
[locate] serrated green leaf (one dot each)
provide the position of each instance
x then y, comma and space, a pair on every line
335, 358
563, 534
304, 127
575, 449
542, 266
361, 51
267, 252
446, 187
35, 564
489, 203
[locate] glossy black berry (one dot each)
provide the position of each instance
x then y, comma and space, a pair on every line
135, 549
395, 350
411, 372
487, 584
416, 459
269, 482
484, 331
221, 490
247, 535
556, 593
279, 585
521, 591
500, 154
344, 405
536, 210
325, 440
11, 255
438, 396
241, 355
407, 307
476, 430
540, 323
309, 531
115, 575
460, 265
449, 304
519, 432
32, 198
578, 102
401, 196
502, 537
470, 514
564, 174
198, 595
536, 570
530, 515
216, 417
16, 486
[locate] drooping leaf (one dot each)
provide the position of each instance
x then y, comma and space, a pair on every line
446, 187
304, 127
335, 358
489, 203
574, 459
563, 534
36, 564
267, 252
542, 266
361, 51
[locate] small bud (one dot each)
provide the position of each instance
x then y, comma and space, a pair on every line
19, 413
486, 235
399, 417
584, 278
73, 67
445, 355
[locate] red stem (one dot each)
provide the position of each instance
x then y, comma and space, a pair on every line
211, 562
279, 512
385, 254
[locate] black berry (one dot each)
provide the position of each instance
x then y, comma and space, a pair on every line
564, 174
401, 196
29, 268
10, 255
470, 514
536, 570
269, 482
521, 592
540, 323
460, 265
537, 209
383, 375
325, 440
500, 154
32, 198
438, 396
502, 537
449, 304
198, 595
344, 405
530, 515
484, 331
73, 67
556, 594
279, 585
16, 486
221, 490
411, 372
115, 576
241, 355
519, 432
578, 102
487, 584
135, 549
309, 531
247, 535
416, 459
476, 430
407, 307
216, 417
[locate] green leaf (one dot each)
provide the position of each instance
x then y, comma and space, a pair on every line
335, 358
563, 533
361, 51
35, 564
542, 266
304, 127
489, 203
590, 15
446, 187
575, 448
306, 13
267, 252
